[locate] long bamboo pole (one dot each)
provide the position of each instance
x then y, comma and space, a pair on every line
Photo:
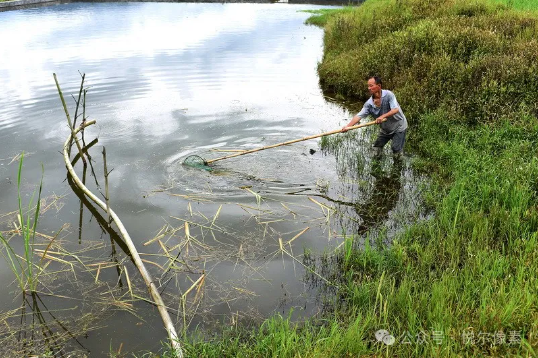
289, 142
169, 326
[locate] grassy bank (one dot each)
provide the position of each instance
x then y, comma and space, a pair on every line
463, 283
519, 4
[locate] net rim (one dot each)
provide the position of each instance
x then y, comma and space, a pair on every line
195, 161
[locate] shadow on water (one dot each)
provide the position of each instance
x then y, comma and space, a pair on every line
383, 198
41, 331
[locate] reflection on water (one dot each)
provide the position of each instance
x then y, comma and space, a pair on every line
386, 191
387, 187
43, 331
162, 85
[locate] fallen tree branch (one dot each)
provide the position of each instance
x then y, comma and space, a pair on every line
132, 249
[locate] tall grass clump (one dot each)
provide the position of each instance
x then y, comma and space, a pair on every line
466, 75
26, 271
475, 59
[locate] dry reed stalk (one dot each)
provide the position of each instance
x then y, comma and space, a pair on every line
266, 211
291, 211
299, 234
270, 221
200, 225
281, 250
187, 230
128, 281
71, 127
98, 272
184, 299
256, 195
164, 249
9, 214
84, 113
158, 236
216, 216
77, 101
189, 197
105, 264
153, 263
229, 150
246, 292
17, 157
199, 213
320, 204
37, 234
201, 278
199, 289
73, 255
55, 198
169, 326
119, 349
308, 268
189, 207
107, 198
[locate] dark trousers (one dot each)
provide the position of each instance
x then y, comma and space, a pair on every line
398, 141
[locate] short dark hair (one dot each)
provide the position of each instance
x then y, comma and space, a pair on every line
377, 80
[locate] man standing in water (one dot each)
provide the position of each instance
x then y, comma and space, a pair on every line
384, 107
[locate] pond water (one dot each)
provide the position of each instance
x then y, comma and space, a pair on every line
166, 80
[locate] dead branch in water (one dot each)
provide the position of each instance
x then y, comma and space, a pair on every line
71, 127
126, 237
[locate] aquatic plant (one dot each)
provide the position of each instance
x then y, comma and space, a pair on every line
25, 269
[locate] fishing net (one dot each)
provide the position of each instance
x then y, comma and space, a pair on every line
195, 161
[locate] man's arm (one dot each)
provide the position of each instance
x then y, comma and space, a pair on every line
356, 119
382, 117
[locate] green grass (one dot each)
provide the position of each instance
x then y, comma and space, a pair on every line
24, 268
520, 4
322, 16
464, 73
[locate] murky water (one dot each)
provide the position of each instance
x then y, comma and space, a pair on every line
166, 80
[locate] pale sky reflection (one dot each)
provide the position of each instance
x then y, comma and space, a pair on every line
144, 65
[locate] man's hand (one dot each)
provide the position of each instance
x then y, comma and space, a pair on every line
355, 120
390, 113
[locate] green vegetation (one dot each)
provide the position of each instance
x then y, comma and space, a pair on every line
519, 4
23, 266
464, 282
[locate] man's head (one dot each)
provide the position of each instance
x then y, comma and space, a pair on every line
374, 85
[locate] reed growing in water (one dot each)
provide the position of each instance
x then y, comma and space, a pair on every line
24, 268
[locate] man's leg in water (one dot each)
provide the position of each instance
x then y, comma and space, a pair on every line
380, 142
398, 141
